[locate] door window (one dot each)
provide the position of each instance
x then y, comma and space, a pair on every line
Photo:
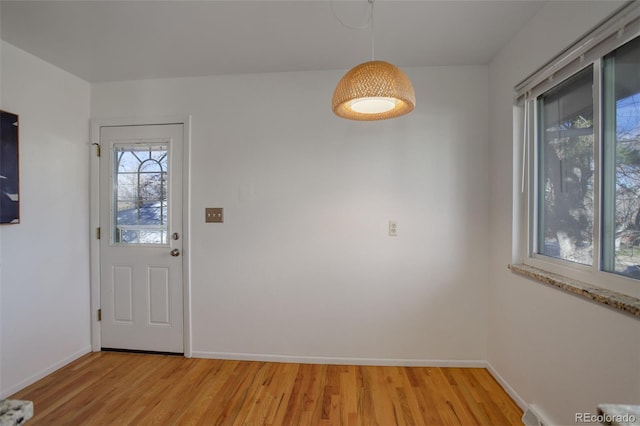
140, 194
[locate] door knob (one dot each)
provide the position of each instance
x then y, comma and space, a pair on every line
175, 252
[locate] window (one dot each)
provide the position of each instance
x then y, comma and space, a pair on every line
140, 194
581, 148
565, 171
621, 161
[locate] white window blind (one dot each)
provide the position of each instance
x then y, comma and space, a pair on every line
617, 29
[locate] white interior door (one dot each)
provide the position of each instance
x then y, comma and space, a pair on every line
141, 289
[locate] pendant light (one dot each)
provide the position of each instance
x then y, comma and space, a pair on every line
373, 90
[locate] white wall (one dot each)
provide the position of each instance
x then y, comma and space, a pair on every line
559, 352
303, 266
44, 279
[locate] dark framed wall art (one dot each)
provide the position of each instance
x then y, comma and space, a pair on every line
9, 169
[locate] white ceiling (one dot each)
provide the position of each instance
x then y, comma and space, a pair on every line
123, 40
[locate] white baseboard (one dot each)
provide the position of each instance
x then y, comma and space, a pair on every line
340, 360
512, 393
43, 373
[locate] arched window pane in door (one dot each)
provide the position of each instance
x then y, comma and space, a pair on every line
140, 193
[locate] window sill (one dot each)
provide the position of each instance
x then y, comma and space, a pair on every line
615, 300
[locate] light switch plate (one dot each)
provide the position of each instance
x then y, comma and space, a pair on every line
213, 215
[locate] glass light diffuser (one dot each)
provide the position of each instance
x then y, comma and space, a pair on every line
373, 105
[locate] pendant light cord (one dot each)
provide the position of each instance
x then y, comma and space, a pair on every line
352, 27
368, 24
373, 45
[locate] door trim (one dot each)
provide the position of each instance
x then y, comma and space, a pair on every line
94, 220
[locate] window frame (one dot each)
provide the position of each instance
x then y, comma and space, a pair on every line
526, 150
535, 232
532, 190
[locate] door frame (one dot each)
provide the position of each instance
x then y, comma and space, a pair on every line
94, 219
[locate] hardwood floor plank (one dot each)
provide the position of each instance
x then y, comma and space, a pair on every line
227, 406
107, 388
293, 413
349, 406
426, 394
500, 406
316, 401
189, 410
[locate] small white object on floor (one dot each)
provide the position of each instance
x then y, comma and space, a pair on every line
14, 412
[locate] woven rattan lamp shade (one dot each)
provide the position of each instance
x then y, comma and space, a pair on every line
377, 80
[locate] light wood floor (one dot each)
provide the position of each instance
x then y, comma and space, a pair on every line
106, 388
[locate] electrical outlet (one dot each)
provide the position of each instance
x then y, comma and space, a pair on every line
213, 215
393, 228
